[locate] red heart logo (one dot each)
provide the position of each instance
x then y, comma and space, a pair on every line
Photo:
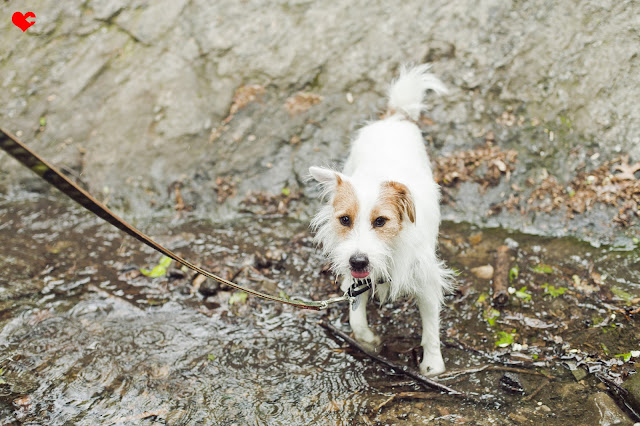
21, 22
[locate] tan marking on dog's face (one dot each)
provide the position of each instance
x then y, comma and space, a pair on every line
345, 204
393, 203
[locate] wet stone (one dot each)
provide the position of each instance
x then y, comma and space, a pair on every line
610, 413
176, 273
569, 389
209, 288
632, 385
579, 373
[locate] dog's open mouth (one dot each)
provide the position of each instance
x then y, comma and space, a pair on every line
359, 274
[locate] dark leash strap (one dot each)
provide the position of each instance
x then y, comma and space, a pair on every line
53, 176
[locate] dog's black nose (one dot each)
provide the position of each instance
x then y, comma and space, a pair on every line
359, 262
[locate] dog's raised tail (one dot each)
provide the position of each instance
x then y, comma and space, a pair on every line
407, 92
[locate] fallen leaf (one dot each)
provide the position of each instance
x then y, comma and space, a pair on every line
627, 171
244, 95
301, 101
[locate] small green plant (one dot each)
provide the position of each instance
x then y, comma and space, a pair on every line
490, 315
553, 291
625, 357
159, 270
523, 294
622, 294
481, 298
543, 269
211, 357
239, 297
505, 339
513, 273
607, 328
43, 121
565, 121
286, 191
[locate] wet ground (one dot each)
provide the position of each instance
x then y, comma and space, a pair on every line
132, 98
86, 338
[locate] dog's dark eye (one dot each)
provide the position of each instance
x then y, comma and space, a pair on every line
345, 221
379, 222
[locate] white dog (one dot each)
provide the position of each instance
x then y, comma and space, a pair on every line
382, 217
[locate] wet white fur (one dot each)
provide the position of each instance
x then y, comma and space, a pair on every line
392, 149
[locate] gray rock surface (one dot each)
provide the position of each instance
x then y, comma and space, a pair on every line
134, 94
610, 413
632, 385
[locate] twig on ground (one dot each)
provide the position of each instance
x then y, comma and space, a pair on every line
537, 391
452, 374
453, 343
385, 402
501, 276
196, 283
400, 395
519, 370
455, 373
396, 367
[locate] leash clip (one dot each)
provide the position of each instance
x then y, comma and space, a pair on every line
358, 287
352, 295
355, 291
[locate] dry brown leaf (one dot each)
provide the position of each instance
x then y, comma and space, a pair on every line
301, 102
244, 95
627, 171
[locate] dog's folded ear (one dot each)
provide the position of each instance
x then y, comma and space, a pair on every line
402, 199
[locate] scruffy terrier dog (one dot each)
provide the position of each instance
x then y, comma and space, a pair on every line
382, 217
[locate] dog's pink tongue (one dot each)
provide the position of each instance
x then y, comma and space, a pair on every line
356, 274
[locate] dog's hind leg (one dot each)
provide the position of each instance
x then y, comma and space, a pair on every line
432, 362
358, 320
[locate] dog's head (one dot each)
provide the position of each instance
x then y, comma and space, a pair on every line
362, 223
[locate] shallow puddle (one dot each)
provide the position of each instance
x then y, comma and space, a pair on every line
85, 338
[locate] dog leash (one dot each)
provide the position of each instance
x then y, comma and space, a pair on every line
14, 147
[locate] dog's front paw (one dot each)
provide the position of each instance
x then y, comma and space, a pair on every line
432, 365
368, 339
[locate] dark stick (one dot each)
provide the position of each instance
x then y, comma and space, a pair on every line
396, 367
537, 391
455, 373
412, 395
501, 277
